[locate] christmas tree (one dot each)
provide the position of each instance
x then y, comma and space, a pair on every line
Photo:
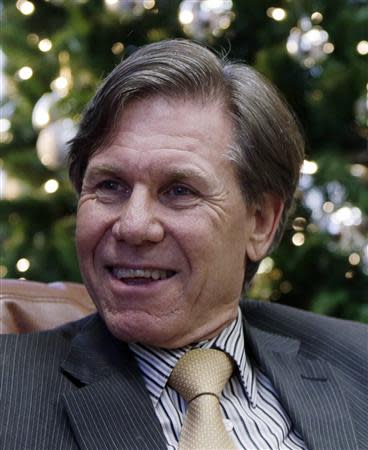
54, 54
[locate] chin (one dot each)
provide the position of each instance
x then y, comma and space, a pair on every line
137, 328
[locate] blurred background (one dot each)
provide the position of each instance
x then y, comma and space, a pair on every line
54, 53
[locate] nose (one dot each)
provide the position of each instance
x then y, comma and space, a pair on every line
137, 221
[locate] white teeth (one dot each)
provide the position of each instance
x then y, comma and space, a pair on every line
139, 273
155, 275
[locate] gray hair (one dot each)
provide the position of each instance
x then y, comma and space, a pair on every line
268, 147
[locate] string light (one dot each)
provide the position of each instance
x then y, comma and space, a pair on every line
33, 39
51, 186
358, 170
60, 83
117, 48
149, 4
299, 223
328, 207
186, 17
25, 7
277, 14
354, 259
317, 17
45, 45
25, 73
23, 265
309, 167
298, 239
362, 47
64, 82
328, 48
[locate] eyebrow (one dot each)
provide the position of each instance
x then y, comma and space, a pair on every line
103, 169
185, 173
174, 174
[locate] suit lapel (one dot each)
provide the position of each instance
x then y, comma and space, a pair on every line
309, 390
112, 408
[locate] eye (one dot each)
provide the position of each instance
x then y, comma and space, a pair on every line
179, 196
179, 190
110, 190
109, 185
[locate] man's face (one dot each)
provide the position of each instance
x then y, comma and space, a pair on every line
162, 228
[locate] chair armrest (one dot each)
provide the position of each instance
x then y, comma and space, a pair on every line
27, 306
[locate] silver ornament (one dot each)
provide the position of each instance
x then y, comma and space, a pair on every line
52, 142
129, 8
308, 43
202, 19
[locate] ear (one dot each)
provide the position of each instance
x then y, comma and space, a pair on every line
266, 217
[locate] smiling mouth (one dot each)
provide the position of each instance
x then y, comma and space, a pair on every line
139, 276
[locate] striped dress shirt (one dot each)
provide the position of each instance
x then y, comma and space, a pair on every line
252, 411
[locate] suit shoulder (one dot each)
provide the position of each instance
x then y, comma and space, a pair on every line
39, 344
314, 330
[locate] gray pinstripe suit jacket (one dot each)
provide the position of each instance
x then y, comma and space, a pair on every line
76, 387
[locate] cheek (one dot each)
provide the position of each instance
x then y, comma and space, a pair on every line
208, 243
91, 225
225, 247
193, 233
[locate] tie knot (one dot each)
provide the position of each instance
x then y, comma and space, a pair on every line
201, 371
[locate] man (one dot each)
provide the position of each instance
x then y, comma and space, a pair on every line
185, 166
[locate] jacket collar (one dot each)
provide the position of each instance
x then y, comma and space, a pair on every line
112, 408
309, 390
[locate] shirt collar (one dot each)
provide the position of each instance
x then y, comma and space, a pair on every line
156, 364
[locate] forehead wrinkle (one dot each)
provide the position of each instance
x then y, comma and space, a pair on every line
167, 141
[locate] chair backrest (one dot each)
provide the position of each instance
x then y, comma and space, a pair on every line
27, 306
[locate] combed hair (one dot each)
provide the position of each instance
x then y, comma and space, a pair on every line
268, 147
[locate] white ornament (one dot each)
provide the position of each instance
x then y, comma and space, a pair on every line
308, 43
3, 80
129, 8
52, 142
202, 19
42, 111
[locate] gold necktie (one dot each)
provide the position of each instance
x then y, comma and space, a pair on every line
199, 377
